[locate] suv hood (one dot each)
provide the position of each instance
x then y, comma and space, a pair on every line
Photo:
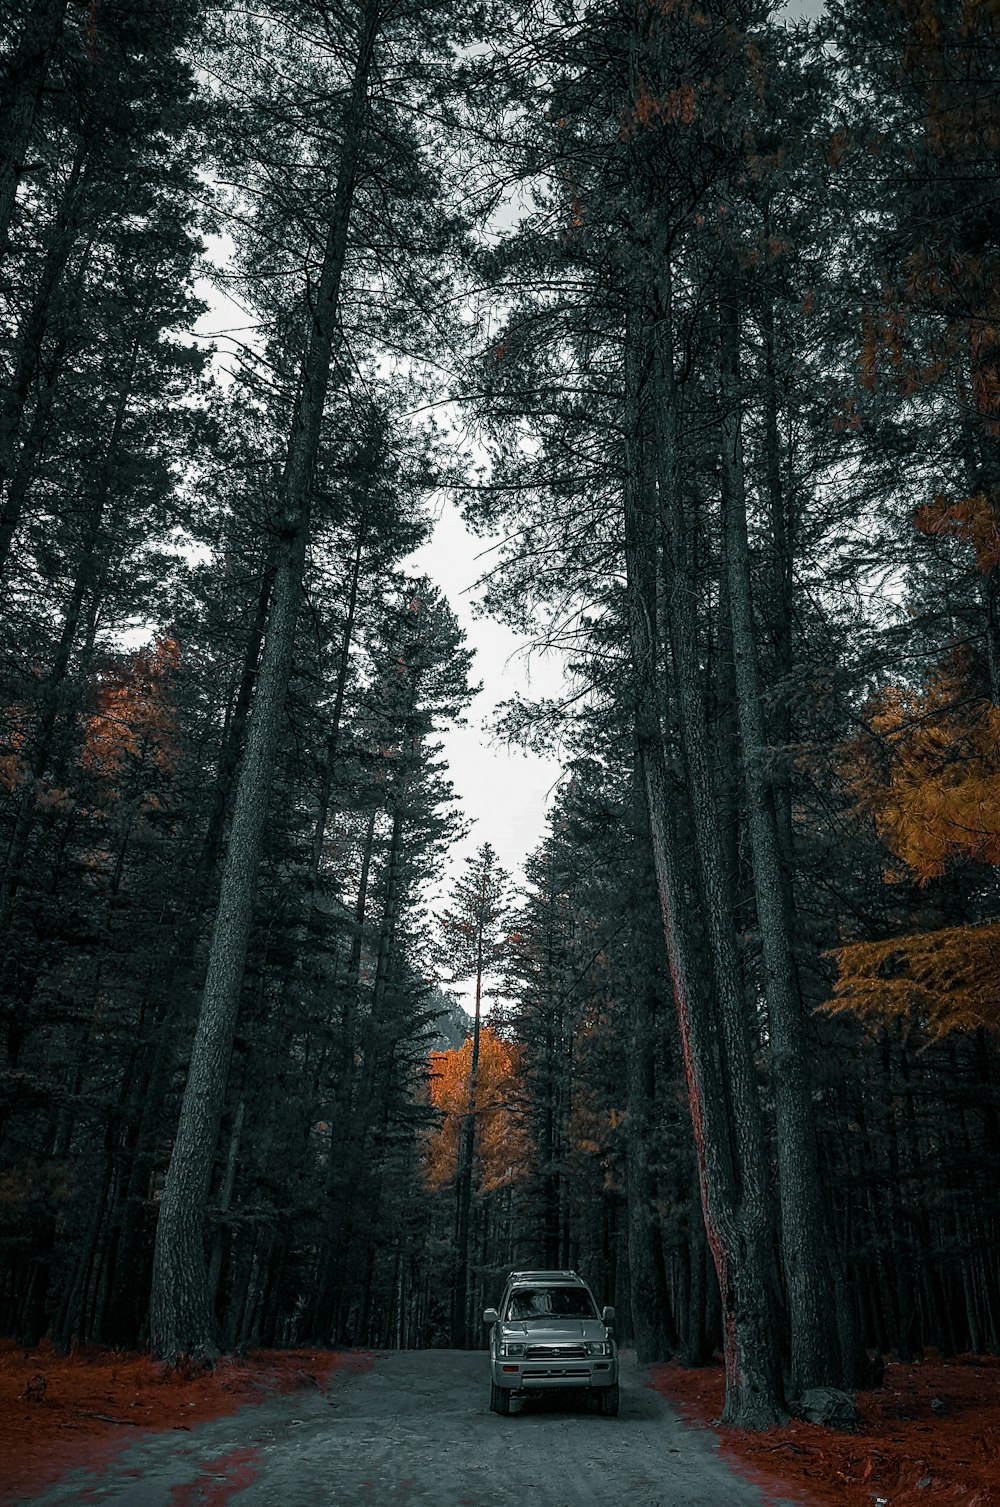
554, 1331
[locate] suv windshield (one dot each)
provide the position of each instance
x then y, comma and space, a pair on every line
551, 1302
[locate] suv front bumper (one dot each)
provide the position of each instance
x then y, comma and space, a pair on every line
527, 1375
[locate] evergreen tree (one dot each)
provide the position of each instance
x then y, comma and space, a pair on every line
474, 939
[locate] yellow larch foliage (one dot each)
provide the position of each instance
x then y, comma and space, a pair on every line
929, 776
942, 981
502, 1143
930, 779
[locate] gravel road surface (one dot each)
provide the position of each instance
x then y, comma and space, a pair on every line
417, 1429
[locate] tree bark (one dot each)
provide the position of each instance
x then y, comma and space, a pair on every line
333, 735
355, 1184
781, 585
804, 1239
466, 1163
552, 1070
21, 97
715, 1039
653, 1324
28, 348
235, 727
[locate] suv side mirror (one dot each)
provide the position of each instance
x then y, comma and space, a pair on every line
490, 1316
607, 1315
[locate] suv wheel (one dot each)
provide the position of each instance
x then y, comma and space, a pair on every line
607, 1401
499, 1400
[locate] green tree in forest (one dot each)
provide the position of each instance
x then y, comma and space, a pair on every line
99, 400
181, 1318
420, 683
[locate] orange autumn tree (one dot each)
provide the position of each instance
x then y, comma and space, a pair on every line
502, 1144
132, 731
928, 775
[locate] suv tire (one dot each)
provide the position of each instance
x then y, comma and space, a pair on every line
607, 1401
499, 1400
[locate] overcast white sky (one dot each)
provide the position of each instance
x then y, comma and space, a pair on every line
504, 790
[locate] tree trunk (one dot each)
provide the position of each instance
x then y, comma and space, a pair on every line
355, 1173
333, 735
465, 1169
718, 1056
235, 728
29, 457
551, 1070
652, 1321
21, 98
226, 1196
780, 588
360, 907
180, 1318
180, 1314
804, 1237
703, 1329
342, 1158
28, 349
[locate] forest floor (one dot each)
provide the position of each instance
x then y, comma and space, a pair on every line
79, 1412
304, 1428
394, 1429
929, 1436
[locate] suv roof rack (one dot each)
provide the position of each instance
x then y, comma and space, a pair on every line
538, 1276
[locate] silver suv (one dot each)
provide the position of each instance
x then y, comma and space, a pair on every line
548, 1334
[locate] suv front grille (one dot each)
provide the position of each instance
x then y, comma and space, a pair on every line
556, 1352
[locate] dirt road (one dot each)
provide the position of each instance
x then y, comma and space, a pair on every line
417, 1429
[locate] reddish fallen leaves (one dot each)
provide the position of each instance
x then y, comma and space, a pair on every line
906, 1454
58, 1412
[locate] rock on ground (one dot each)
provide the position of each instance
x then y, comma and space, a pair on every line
829, 1407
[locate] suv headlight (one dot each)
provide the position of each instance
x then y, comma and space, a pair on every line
598, 1347
512, 1350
